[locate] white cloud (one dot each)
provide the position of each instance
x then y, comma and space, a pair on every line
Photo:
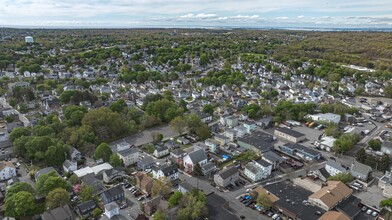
199, 16
282, 18
301, 17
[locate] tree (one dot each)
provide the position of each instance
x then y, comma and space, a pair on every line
103, 152
74, 114
118, 106
115, 160
383, 164
197, 170
371, 161
47, 182
343, 177
174, 199
375, 144
264, 200
208, 109
19, 187
96, 212
386, 203
388, 91
56, 155
158, 215
203, 132
332, 130
56, 198
361, 155
73, 179
178, 124
254, 194
193, 206
156, 137
86, 193
19, 132
161, 187
21, 204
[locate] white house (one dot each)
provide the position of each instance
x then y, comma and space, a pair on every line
258, 170
129, 156
328, 117
333, 167
70, 166
197, 156
7, 170
112, 209
168, 171
161, 151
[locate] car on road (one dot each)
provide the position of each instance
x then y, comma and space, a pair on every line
364, 208
123, 206
369, 211
374, 214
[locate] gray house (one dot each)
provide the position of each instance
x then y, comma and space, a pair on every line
226, 177
360, 171
145, 163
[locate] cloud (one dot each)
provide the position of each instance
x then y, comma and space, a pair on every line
282, 18
301, 17
199, 16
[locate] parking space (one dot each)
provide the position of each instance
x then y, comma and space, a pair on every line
372, 196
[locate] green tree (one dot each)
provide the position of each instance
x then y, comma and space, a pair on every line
86, 193
161, 187
197, 170
332, 130
103, 152
343, 177
208, 108
56, 198
386, 203
264, 200
361, 155
40, 130
115, 160
73, 179
388, 91
375, 144
47, 182
158, 215
19, 187
383, 164
96, 212
74, 114
193, 206
175, 199
56, 155
156, 137
179, 124
203, 132
21, 204
118, 106
19, 132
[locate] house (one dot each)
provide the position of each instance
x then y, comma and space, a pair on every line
7, 170
360, 171
129, 156
333, 167
289, 135
145, 163
113, 194
113, 174
334, 215
123, 145
208, 168
386, 147
273, 159
331, 195
160, 151
111, 210
301, 151
385, 183
250, 127
197, 156
44, 171
185, 187
168, 171
182, 140
74, 154
155, 204
94, 182
221, 139
226, 177
178, 155
231, 134
84, 209
259, 142
258, 170
144, 182
232, 121
213, 144
59, 213
327, 117
70, 166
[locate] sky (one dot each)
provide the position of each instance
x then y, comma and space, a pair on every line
197, 13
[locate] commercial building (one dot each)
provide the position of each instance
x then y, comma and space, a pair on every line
301, 151
259, 142
327, 117
331, 195
29, 39
289, 135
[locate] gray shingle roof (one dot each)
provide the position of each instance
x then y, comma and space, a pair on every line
197, 156
59, 213
128, 152
226, 173
361, 168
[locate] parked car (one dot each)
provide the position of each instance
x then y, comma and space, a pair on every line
369, 211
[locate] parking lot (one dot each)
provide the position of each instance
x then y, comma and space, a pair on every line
372, 196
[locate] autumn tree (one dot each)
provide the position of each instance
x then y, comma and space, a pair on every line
161, 187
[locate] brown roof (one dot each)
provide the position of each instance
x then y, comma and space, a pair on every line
332, 215
333, 193
4, 164
261, 190
144, 182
